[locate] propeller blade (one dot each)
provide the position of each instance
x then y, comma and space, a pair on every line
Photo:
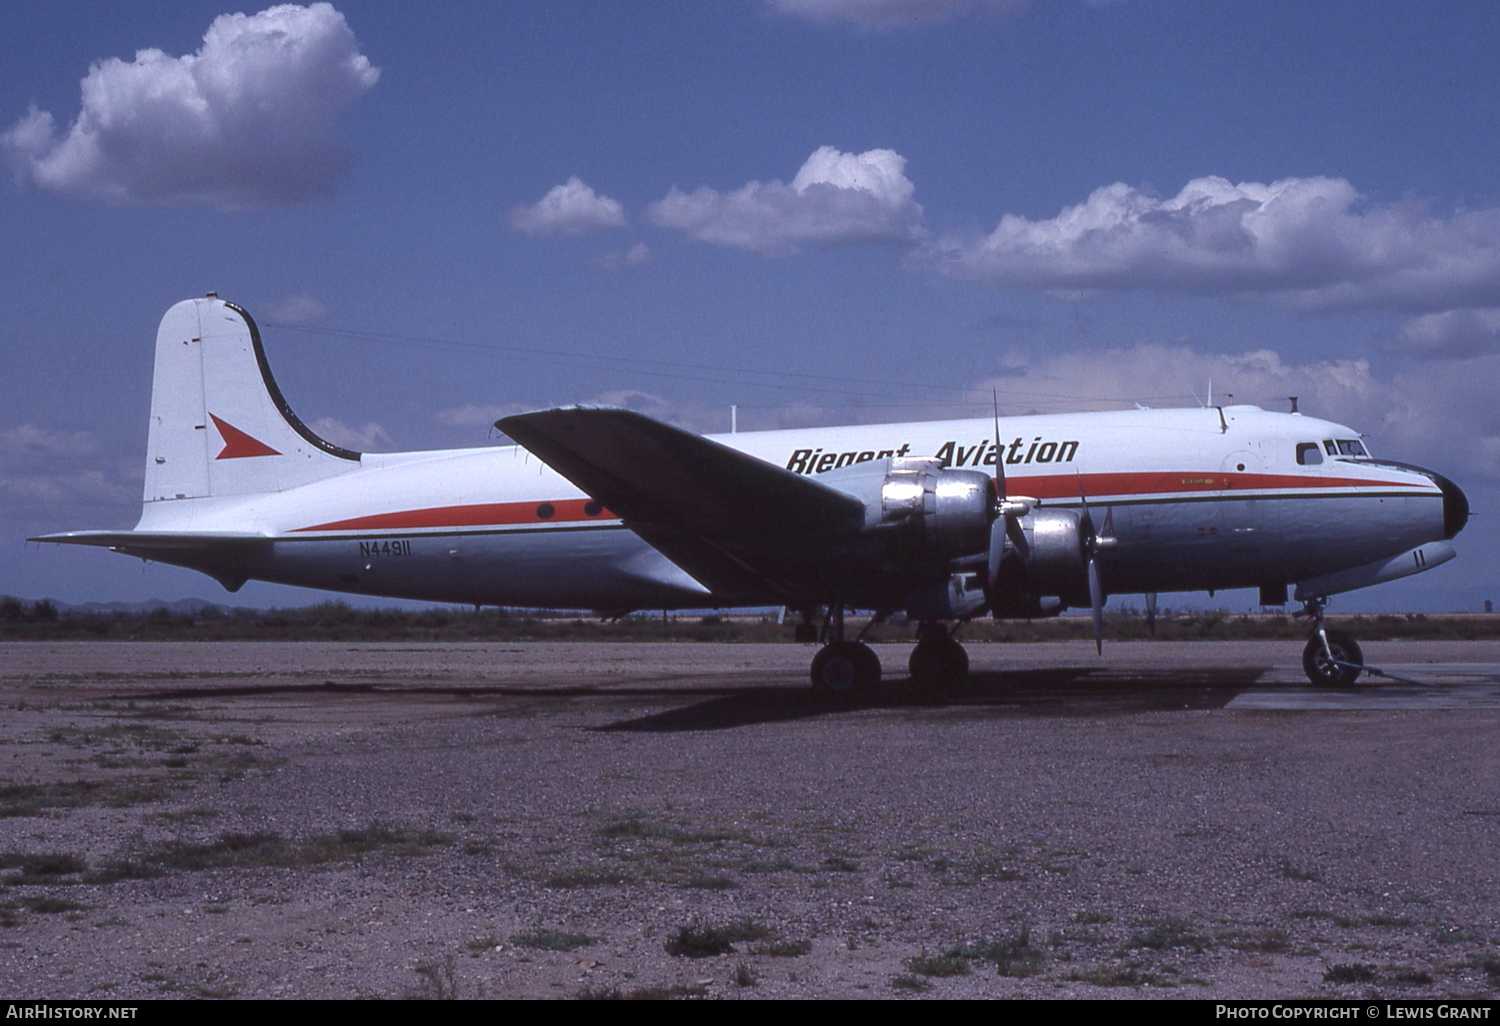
1151, 611
1096, 601
999, 452
998, 530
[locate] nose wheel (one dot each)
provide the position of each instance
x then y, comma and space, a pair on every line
1332, 659
1337, 666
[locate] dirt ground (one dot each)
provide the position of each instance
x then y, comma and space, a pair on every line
573, 820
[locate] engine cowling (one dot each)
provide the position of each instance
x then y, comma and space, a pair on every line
937, 512
950, 510
1053, 561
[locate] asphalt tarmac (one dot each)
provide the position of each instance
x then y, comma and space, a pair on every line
545, 820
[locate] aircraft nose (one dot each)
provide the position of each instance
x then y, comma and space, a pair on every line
1455, 506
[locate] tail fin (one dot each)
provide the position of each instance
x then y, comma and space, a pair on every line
219, 424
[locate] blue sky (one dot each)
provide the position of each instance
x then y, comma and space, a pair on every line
821, 210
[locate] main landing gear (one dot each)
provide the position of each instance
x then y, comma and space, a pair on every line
844, 669
938, 658
1331, 658
850, 670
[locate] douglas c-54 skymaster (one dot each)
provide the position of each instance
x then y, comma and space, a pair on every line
608, 510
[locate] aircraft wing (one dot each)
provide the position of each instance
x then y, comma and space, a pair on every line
711, 509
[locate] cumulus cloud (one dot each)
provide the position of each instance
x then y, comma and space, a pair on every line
49, 475
1438, 414
477, 414
1154, 374
251, 120
636, 256
370, 438
1451, 333
297, 309
44, 443
569, 209
1313, 243
836, 198
886, 13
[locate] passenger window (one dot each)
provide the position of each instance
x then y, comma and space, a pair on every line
1308, 454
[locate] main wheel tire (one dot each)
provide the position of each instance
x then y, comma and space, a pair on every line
938, 662
1330, 674
846, 670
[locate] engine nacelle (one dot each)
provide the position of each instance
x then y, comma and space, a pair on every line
946, 513
1054, 560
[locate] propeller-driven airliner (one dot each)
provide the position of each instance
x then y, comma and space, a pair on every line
604, 509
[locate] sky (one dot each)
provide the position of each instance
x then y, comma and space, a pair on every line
821, 211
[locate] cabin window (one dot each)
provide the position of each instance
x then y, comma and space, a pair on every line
1308, 454
1350, 447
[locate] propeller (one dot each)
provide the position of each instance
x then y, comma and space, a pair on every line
1093, 544
1008, 510
1151, 611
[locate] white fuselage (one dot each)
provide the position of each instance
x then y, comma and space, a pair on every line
1197, 498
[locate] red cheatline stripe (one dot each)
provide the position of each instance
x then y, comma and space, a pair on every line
478, 515
1064, 486
1052, 486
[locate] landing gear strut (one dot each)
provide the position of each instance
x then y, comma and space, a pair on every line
1331, 658
844, 669
806, 632
938, 658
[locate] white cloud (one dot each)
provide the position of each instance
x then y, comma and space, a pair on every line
1313, 243
45, 443
1174, 375
886, 13
252, 120
835, 198
296, 309
1440, 415
1451, 333
371, 437
636, 256
569, 209
51, 473
476, 415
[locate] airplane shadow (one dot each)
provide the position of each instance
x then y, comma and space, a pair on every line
1066, 691
1056, 691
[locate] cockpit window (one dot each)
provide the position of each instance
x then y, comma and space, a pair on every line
1351, 447
1333, 450
1308, 454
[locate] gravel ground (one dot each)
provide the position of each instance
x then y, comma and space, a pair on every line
556, 820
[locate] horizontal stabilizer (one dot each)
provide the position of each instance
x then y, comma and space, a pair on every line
145, 541
221, 554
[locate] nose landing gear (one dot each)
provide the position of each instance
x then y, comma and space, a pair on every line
1331, 658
